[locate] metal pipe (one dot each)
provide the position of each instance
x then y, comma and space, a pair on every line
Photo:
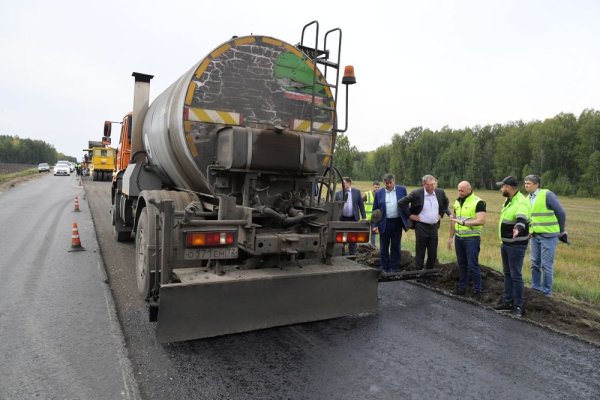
141, 99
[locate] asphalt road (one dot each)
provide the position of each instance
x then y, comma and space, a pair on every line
420, 344
59, 335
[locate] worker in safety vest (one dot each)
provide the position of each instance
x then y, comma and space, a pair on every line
513, 231
368, 198
465, 231
547, 227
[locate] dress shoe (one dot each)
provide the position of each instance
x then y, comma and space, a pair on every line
504, 307
459, 292
477, 296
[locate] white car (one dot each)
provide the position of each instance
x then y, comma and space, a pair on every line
43, 167
62, 168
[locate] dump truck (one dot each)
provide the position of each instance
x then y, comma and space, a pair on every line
226, 182
100, 162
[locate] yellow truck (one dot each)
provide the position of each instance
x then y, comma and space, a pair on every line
100, 161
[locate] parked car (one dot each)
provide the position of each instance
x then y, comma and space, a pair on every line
43, 167
62, 168
72, 166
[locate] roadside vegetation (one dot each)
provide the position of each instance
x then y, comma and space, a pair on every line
576, 266
10, 172
564, 150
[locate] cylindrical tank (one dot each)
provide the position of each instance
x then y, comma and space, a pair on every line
256, 82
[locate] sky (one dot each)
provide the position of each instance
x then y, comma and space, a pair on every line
65, 66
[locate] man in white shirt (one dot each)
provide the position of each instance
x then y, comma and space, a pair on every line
425, 208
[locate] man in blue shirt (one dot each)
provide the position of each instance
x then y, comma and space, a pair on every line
547, 227
391, 224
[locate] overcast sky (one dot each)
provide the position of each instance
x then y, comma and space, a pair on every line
66, 65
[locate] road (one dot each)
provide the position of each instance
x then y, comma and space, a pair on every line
59, 335
420, 344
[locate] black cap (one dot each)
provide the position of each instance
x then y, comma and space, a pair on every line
509, 180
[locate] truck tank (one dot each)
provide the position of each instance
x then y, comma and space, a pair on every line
255, 81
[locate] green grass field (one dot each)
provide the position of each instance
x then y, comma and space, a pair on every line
576, 267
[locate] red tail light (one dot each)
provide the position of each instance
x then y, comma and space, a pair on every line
352, 237
209, 239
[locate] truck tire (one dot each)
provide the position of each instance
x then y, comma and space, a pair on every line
145, 251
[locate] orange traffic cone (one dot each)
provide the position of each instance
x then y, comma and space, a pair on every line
75, 242
76, 208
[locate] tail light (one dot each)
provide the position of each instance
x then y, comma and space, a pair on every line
209, 239
352, 237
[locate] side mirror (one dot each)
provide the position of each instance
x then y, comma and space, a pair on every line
107, 128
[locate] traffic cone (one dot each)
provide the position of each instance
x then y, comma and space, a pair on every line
76, 208
75, 242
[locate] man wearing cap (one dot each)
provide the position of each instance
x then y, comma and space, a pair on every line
513, 230
465, 231
391, 223
547, 226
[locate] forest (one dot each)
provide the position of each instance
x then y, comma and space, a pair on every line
563, 150
27, 151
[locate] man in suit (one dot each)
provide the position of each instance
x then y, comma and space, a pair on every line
390, 226
425, 208
354, 206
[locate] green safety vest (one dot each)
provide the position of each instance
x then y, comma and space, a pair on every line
518, 207
369, 204
543, 220
467, 211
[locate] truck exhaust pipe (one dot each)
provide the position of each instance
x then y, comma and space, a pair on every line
141, 99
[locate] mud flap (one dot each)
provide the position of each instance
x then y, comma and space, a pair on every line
205, 305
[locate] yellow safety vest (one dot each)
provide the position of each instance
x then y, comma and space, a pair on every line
369, 204
543, 220
518, 207
467, 211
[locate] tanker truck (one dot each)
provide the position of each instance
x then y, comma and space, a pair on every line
226, 182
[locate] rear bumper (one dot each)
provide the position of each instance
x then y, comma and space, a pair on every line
205, 305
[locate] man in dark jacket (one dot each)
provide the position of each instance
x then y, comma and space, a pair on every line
354, 206
425, 208
390, 225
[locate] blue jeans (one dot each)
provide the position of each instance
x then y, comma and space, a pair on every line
389, 245
373, 236
542, 263
512, 266
467, 257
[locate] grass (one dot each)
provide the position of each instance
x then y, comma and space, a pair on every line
576, 267
5, 177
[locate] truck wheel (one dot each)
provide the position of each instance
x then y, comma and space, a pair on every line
145, 252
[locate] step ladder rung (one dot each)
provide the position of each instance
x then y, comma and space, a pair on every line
327, 63
326, 108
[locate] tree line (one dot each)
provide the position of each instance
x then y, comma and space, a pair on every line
564, 151
27, 151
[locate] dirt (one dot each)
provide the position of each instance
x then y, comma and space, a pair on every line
4, 186
563, 315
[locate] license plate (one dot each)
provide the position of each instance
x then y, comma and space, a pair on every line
210, 254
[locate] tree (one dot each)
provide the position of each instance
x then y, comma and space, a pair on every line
344, 155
